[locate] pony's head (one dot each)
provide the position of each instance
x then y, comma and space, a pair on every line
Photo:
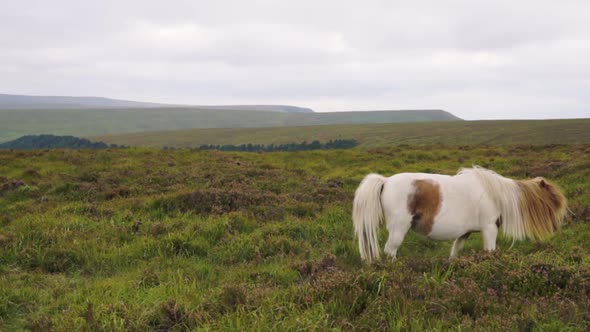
542, 207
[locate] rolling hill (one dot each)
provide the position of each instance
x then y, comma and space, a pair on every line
8, 101
457, 132
12, 102
100, 121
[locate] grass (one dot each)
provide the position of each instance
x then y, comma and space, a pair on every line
144, 239
88, 122
459, 132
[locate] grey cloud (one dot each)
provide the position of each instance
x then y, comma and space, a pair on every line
476, 59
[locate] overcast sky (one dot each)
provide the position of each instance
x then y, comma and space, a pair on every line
476, 59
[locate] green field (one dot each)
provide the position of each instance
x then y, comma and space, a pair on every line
144, 239
89, 122
458, 132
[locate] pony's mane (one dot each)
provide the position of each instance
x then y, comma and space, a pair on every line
542, 206
529, 208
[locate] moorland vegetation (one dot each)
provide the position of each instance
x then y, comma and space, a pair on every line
145, 239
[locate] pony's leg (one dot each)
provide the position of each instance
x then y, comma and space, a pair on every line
397, 232
458, 245
489, 234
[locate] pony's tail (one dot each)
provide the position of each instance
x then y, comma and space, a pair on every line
367, 213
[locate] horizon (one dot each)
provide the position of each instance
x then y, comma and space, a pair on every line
163, 105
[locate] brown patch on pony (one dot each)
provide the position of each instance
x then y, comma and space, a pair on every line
424, 205
542, 206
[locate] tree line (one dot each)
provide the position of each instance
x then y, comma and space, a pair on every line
303, 146
30, 142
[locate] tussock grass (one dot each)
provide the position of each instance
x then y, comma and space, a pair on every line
141, 239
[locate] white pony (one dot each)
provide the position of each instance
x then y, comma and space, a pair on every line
444, 207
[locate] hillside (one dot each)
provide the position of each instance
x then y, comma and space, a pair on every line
266, 108
60, 102
151, 240
463, 132
91, 122
12, 102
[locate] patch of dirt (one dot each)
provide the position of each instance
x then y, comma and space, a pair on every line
309, 269
335, 183
10, 185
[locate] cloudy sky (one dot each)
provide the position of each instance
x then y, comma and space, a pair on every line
476, 59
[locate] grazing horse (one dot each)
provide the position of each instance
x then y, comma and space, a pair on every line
444, 207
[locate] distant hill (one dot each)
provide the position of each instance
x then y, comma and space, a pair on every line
56, 102
267, 108
31, 142
91, 122
8, 102
537, 132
